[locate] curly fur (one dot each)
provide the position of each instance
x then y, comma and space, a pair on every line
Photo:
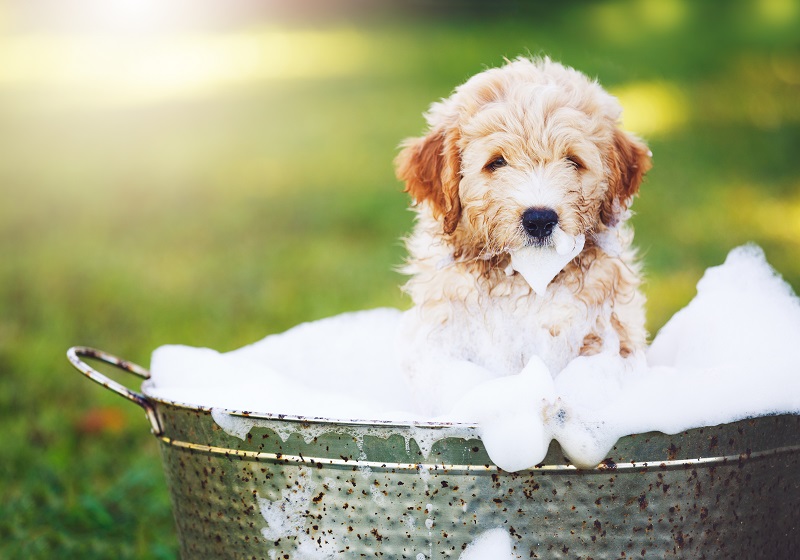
558, 134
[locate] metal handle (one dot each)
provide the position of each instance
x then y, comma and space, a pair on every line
76, 352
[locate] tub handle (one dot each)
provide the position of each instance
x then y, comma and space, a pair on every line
76, 352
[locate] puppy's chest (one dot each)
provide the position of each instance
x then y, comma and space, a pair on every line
505, 332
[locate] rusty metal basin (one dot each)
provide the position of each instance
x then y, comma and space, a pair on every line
272, 487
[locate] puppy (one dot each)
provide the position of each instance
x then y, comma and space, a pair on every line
517, 158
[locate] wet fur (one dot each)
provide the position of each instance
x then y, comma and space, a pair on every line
559, 133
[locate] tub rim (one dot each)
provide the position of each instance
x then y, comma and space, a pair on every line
145, 400
149, 403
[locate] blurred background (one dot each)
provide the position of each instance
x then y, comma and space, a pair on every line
209, 172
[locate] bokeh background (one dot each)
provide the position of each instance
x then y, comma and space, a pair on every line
209, 172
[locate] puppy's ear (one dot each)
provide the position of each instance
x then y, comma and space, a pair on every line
627, 163
431, 169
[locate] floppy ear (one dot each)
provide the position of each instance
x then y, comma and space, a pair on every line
627, 163
431, 169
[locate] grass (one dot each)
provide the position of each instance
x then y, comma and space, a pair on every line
214, 213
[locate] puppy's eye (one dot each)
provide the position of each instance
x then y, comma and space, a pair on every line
496, 164
575, 162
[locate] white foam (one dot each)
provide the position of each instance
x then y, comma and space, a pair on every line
609, 241
340, 367
287, 517
510, 414
494, 544
236, 426
732, 353
539, 265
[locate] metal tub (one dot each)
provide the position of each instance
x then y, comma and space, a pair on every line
313, 488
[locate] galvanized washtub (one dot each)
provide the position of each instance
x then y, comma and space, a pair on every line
272, 487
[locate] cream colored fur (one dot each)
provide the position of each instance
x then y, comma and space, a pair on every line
473, 318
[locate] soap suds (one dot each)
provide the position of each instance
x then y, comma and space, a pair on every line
732, 353
285, 517
509, 412
236, 426
351, 356
539, 265
494, 544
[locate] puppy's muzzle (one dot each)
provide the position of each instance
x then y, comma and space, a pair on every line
539, 222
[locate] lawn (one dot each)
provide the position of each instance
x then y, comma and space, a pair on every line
211, 187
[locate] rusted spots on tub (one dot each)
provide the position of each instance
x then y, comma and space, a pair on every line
607, 463
672, 452
585, 515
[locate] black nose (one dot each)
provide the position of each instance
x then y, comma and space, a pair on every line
539, 222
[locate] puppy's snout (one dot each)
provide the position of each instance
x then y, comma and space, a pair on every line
539, 222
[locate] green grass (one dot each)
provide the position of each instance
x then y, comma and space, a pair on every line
216, 219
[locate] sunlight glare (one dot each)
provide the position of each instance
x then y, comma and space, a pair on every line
778, 219
131, 15
651, 108
777, 12
81, 70
662, 15
626, 21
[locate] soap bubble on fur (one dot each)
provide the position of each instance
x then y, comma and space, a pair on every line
539, 265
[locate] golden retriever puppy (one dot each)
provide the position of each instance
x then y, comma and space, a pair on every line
520, 250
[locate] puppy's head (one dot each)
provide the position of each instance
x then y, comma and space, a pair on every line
519, 151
